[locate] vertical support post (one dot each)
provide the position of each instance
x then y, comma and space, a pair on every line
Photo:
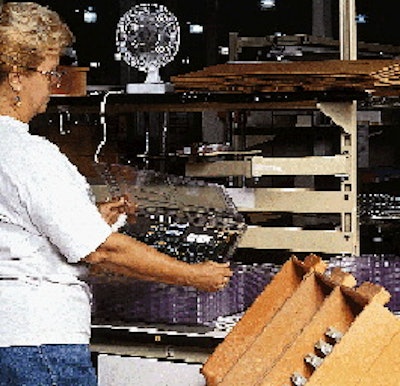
348, 51
344, 114
347, 30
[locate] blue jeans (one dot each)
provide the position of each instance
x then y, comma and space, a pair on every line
47, 365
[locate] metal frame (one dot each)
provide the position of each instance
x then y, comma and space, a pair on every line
344, 165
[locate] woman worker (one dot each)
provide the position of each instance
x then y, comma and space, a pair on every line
50, 231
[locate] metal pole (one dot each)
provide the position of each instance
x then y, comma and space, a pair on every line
348, 30
348, 51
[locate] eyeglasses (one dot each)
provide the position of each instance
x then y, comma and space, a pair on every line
54, 77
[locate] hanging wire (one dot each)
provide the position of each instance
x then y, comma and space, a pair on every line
103, 122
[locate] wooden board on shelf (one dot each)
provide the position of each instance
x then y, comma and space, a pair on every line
327, 75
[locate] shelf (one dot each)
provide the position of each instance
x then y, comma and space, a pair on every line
200, 101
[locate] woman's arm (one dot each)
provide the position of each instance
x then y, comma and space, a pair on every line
124, 255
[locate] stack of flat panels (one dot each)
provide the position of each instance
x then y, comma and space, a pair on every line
267, 77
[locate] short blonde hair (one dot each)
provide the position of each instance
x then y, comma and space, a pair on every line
28, 33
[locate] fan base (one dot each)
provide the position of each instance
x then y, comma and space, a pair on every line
149, 88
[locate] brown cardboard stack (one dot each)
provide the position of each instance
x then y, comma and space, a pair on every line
300, 76
310, 328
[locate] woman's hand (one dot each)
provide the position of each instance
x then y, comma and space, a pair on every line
111, 210
211, 276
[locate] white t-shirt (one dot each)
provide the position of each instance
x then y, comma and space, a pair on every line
48, 223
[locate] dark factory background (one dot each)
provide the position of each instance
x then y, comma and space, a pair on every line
94, 23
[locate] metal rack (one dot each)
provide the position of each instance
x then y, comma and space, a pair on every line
344, 239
